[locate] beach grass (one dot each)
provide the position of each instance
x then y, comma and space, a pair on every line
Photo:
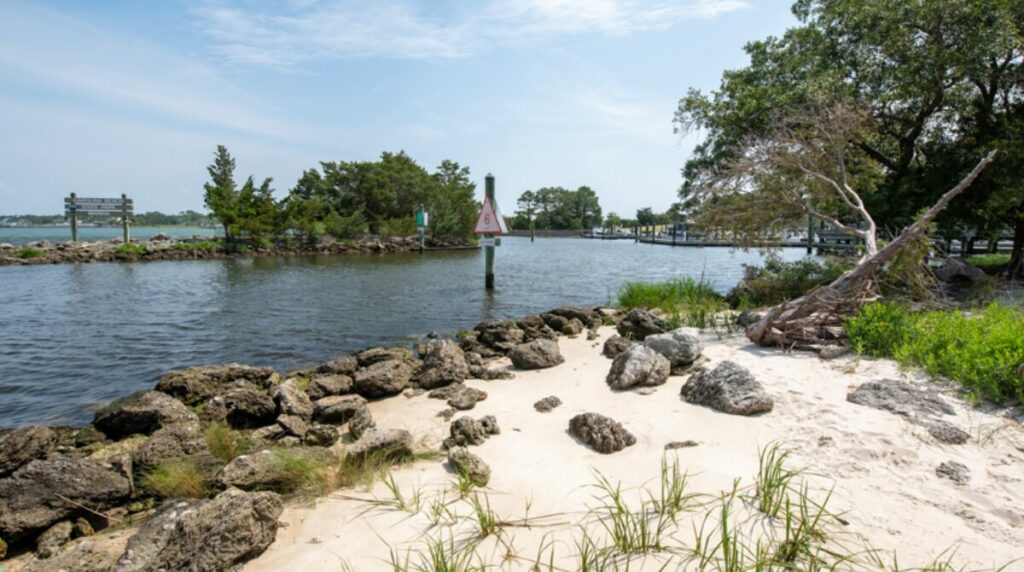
226, 443
685, 301
176, 478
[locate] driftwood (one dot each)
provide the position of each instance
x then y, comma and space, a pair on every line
816, 318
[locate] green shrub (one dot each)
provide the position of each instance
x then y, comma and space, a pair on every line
991, 260
132, 249
345, 227
175, 479
225, 443
402, 226
778, 281
29, 252
982, 351
201, 246
686, 301
295, 472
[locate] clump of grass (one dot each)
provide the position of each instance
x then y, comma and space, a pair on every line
201, 246
365, 470
132, 249
464, 483
28, 252
296, 472
804, 531
686, 301
773, 480
175, 479
410, 504
630, 531
225, 443
673, 496
487, 521
441, 555
981, 350
992, 260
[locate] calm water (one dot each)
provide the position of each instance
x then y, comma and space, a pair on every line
18, 236
75, 336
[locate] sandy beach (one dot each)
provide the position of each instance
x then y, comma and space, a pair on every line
885, 494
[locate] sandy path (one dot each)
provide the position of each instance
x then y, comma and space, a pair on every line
882, 469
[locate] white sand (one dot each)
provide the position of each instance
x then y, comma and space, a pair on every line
882, 469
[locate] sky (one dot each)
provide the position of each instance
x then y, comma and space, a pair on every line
110, 97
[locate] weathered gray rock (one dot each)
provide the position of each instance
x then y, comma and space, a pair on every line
371, 356
444, 363
499, 335
615, 345
600, 433
329, 384
360, 423
177, 442
489, 374
466, 431
748, 318
900, 398
466, 463
563, 325
536, 354
30, 498
293, 425
338, 409
588, 317
343, 365
729, 388
24, 444
547, 404
204, 535
681, 347
269, 470
50, 541
954, 471
383, 378
387, 443
680, 444
638, 324
466, 398
954, 270
534, 327
291, 400
85, 556
247, 407
142, 413
638, 366
946, 432
320, 435
832, 352
195, 385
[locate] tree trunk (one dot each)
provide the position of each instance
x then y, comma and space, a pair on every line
1016, 267
817, 317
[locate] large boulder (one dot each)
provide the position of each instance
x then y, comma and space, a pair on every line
204, 535
444, 363
729, 388
563, 325
195, 385
292, 401
342, 365
615, 345
175, 443
385, 443
46, 491
142, 413
900, 398
247, 407
272, 470
536, 354
499, 335
338, 409
638, 366
600, 433
383, 378
24, 444
328, 384
590, 318
535, 327
954, 270
466, 431
638, 324
681, 347
368, 357
466, 463
86, 556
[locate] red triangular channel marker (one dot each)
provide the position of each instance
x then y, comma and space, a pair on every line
489, 221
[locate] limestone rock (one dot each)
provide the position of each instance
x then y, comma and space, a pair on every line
954, 471
383, 378
248, 408
615, 345
142, 413
293, 425
680, 444
195, 385
205, 535
466, 431
444, 363
320, 435
946, 432
588, 317
638, 324
536, 354
371, 356
638, 366
489, 374
343, 365
291, 400
389, 443
729, 388
681, 347
24, 444
50, 542
466, 398
268, 470
547, 404
900, 398
600, 433
338, 409
360, 423
176, 442
329, 384
85, 556
469, 464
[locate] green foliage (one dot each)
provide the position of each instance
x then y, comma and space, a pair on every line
184, 218
28, 252
990, 260
225, 443
773, 480
400, 226
295, 472
686, 301
200, 246
557, 208
175, 479
132, 249
778, 281
982, 351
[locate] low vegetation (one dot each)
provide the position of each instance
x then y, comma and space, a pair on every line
28, 252
225, 443
175, 479
685, 301
778, 281
990, 261
200, 246
983, 350
132, 249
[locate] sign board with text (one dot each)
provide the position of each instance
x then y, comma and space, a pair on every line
92, 206
490, 220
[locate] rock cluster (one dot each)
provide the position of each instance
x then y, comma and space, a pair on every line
466, 431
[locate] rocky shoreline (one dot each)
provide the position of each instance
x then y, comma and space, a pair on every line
163, 247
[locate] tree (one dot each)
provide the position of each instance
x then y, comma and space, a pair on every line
646, 216
452, 206
526, 208
587, 207
612, 221
221, 193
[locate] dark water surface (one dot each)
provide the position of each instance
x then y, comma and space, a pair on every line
75, 336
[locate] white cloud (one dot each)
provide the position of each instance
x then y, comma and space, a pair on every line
342, 29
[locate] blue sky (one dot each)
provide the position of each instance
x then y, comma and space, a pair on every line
104, 98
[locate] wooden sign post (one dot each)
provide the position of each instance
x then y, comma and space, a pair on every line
123, 208
489, 224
